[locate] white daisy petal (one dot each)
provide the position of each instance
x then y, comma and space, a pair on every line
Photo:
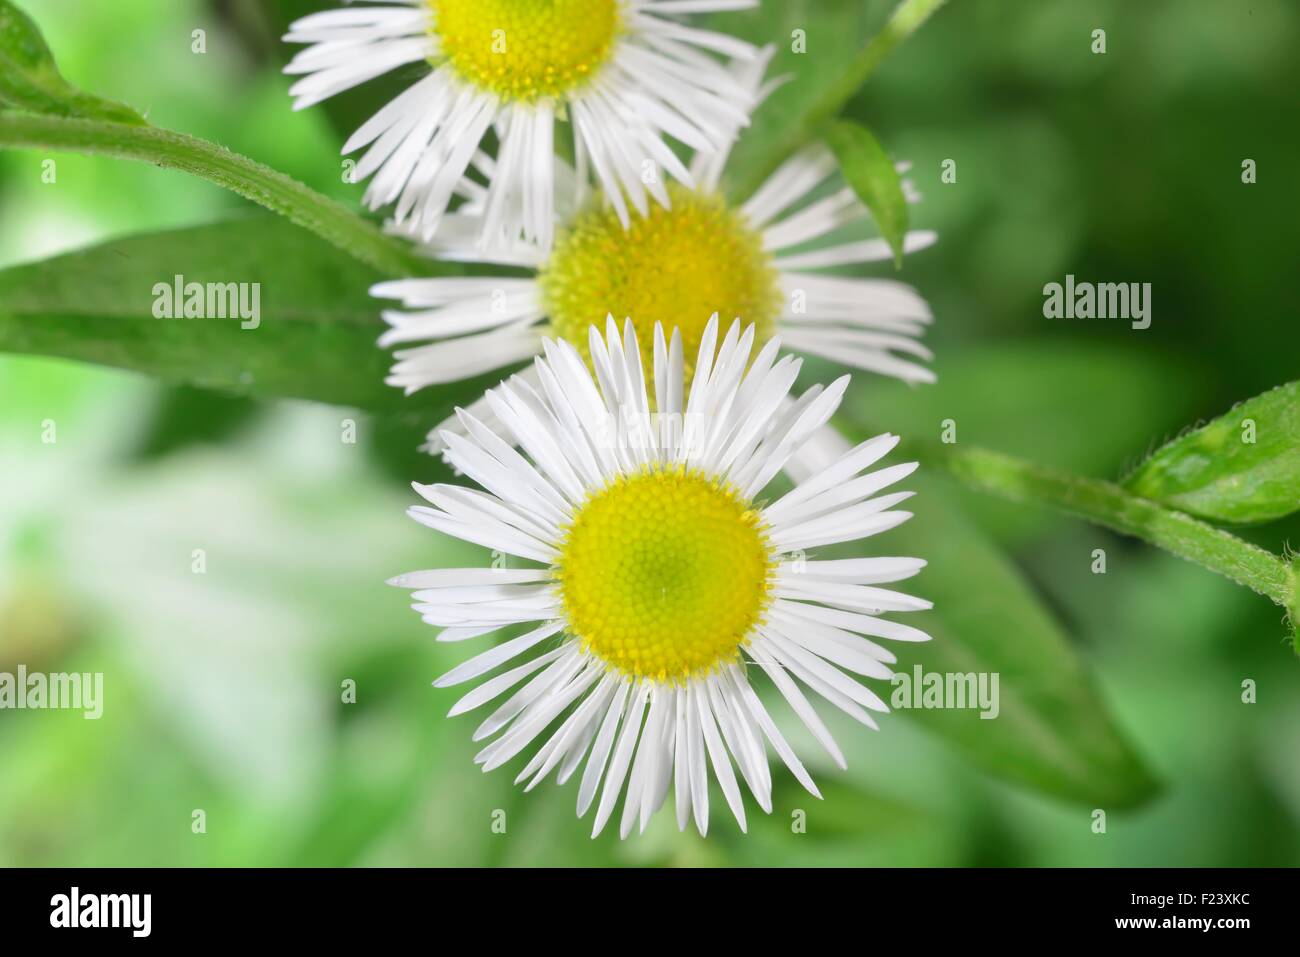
792, 226
661, 570
636, 78
794, 623
555, 674
600, 750
524, 731
622, 757
800, 704
501, 653
718, 754
681, 762
865, 571
574, 729
642, 780
745, 694
816, 681
498, 685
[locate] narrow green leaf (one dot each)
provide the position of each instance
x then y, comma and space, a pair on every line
1242, 467
869, 170
1053, 731
824, 63
30, 80
315, 339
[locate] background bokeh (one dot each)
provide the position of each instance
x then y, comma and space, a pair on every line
222, 690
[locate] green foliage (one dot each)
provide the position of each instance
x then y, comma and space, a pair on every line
1079, 404
1242, 467
71, 120
1054, 732
29, 79
279, 193
1112, 506
316, 338
870, 171
1095, 669
821, 62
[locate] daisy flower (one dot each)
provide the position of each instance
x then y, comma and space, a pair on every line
660, 582
625, 73
761, 261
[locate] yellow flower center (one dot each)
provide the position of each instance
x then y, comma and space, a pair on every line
664, 572
676, 266
526, 49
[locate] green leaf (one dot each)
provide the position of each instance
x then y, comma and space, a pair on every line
30, 80
1242, 467
822, 62
869, 170
1054, 732
316, 338
66, 119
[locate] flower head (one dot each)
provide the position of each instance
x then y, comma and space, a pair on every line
626, 73
762, 261
660, 579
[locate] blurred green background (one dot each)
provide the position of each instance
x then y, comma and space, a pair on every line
223, 689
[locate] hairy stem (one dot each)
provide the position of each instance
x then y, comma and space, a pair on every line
281, 194
1110, 505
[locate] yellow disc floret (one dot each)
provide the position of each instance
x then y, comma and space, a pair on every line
664, 572
675, 266
526, 49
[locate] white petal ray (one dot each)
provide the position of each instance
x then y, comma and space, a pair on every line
572, 731
485, 662
718, 756
542, 450
591, 777
816, 681
622, 757
498, 685
862, 571
790, 691
754, 706
522, 732
553, 675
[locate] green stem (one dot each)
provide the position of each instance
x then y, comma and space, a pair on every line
282, 194
903, 22
1110, 505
